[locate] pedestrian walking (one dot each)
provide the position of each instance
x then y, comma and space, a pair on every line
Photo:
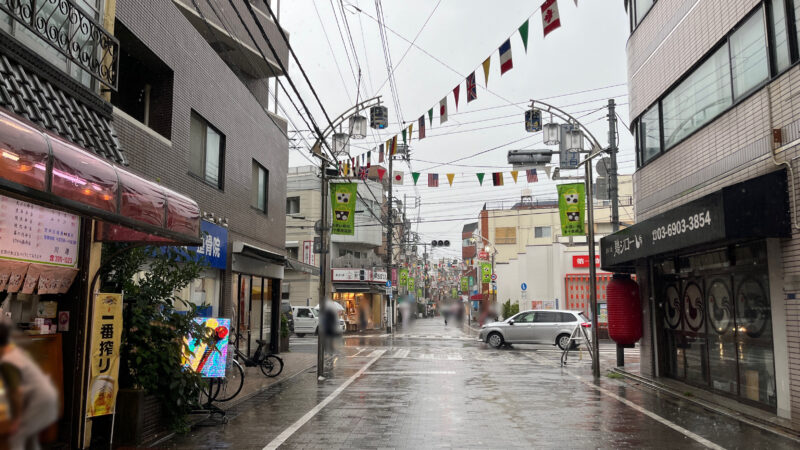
34, 399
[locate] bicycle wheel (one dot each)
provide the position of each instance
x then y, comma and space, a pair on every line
272, 366
232, 384
210, 391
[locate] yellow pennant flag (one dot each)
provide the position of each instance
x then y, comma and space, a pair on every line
450, 177
486, 65
410, 129
514, 174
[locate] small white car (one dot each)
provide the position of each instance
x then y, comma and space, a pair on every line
534, 327
306, 320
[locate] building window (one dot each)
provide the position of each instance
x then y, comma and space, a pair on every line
206, 151
260, 187
541, 232
292, 252
505, 235
145, 84
637, 9
293, 205
650, 134
780, 44
698, 99
749, 65
467, 242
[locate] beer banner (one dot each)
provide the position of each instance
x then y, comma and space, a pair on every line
106, 338
464, 285
486, 272
571, 208
403, 280
343, 206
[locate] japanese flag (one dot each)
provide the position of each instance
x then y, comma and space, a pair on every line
397, 177
550, 19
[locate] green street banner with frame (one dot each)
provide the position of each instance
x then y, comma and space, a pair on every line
411, 284
486, 272
464, 284
403, 278
572, 208
343, 207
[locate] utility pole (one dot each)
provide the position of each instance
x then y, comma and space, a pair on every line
389, 309
613, 188
323, 265
592, 272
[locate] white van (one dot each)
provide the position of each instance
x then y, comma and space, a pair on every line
306, 320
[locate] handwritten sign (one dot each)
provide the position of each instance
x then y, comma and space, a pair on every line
31, 233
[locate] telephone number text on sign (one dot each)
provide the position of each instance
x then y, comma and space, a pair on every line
681, 226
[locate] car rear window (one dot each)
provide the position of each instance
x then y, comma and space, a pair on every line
583, 316
568, 317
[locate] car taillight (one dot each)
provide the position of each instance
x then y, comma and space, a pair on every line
586, 324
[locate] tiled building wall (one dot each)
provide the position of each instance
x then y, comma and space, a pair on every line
205, 84
733, 148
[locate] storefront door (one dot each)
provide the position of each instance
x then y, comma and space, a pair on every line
715, 320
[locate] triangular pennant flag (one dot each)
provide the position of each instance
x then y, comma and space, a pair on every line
523, 33
430, 117
506, 63
514, 174
443, 110
480, 178
380, 154
486, 65
415, 176
369, 158
550, 18
497, 178
450, 177
456, 90
404, 135
394, 145
421, 127
381, 173
547, 170
389, 148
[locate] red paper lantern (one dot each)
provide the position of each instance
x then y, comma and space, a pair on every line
624, 310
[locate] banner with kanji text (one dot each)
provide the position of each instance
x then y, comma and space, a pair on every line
486, 272
105, 342
571, 208
343, 206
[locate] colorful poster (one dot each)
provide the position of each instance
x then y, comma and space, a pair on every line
343, 205
106, 338
403, 277
486, 272
209, 360
464, 284
571, 207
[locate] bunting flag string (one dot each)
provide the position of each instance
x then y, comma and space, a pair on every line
486, 64
415, 176
480, 177
443, 110
410, 131
404, 136
523, 33
514, 174
550, 18
433, 180
497, 178
430, 117
533, 177
450, 177
421, 127
472, 89
506, 63
381, 173
380, 153
456, 90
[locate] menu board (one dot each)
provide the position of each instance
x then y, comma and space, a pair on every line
32, 233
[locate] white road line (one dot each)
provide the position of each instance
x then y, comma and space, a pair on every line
402, 353
422, 372
701, 440
287, 433
357, 353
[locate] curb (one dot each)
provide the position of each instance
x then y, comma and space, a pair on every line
720, 409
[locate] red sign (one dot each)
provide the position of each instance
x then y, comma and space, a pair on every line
583, 260
483, 255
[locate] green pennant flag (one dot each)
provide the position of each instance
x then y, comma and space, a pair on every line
404, 135
430, 117
415, 176
343, 205
523, 32
480, 178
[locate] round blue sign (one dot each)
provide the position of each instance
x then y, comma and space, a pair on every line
388, 283
524, 286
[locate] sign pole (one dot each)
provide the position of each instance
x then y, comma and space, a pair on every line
592, 269
323, 269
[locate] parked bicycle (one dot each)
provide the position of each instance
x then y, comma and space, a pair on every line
227, 388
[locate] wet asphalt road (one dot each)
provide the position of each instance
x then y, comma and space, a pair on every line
432, 386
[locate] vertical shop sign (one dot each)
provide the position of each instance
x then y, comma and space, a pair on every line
106, 337
403, 277
464, 285
411, 284
571, 208
343, 205
486, 272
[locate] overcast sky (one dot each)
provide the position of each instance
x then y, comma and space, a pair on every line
577, 67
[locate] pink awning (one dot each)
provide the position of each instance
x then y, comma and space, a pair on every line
46, 169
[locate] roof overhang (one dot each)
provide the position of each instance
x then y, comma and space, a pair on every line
258, 253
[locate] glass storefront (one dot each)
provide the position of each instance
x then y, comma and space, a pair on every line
252, 311
361, 310
715, 321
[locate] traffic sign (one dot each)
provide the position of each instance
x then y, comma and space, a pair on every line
494, 277
524, 286
388, 283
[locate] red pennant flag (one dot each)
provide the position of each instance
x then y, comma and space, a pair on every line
455, 94
381, 173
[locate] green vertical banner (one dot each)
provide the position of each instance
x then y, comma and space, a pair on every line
454, 293
465, 285
402, 279
571, 208
419, 292
411, 284
486, 272
343, 205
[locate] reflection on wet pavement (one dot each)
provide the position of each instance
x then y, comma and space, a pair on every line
432, 386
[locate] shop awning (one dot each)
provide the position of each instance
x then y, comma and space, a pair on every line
258, 253
40, 167
355, 287
293, 264
756, 208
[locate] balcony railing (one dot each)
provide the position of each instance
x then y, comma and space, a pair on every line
68, 29
352, 262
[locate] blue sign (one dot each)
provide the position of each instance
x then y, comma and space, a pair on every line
214, 250
524, 286
388, 283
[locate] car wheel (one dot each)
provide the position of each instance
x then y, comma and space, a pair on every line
562, 341
495, 340
301, 335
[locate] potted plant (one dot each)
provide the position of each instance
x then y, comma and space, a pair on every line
284, 341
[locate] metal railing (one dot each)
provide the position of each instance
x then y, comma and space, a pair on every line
351, 262
68, 29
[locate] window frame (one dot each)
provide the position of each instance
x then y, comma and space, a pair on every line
549, 232
288, 199
258, 167
220, 185
762, 5
632, 14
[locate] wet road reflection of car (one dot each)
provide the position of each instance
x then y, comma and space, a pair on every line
534, 327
